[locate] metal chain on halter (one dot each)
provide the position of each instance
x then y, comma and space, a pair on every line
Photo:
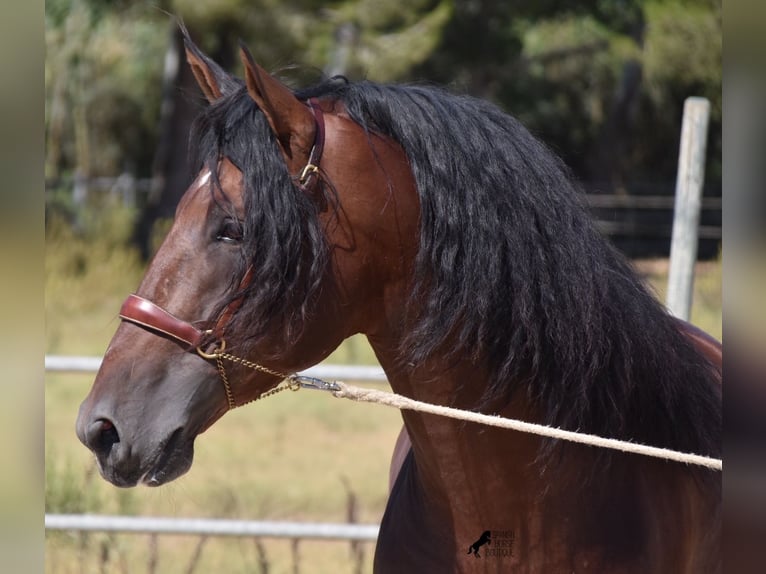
293, 382
225, 379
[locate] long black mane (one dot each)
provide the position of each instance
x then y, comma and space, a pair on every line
511, 271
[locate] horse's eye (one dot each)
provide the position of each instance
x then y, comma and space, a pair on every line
230, 231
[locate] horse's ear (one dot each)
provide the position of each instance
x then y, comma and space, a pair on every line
211, 78
290, 119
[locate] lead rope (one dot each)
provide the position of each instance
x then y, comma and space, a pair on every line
340, 390
401, 402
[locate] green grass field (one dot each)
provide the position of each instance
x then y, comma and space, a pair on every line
296, 456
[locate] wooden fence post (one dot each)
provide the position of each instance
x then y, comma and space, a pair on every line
691, 175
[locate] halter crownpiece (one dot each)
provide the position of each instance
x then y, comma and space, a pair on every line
310, 174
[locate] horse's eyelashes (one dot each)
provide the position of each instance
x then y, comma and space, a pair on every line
230, 231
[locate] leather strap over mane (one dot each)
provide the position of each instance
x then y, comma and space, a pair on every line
310, 174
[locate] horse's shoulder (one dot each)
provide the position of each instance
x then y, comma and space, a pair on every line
705, 343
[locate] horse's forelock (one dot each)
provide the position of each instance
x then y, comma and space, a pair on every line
281, 243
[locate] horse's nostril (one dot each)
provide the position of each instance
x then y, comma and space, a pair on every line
102, 435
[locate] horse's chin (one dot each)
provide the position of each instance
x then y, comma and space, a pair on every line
175, 460
170, 460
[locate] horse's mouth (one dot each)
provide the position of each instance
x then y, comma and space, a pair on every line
173, 460
170, 459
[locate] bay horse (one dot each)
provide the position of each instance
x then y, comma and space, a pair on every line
437, 226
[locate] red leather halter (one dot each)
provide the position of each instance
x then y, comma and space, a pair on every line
152, 317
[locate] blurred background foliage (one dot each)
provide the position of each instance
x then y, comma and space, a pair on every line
600, 81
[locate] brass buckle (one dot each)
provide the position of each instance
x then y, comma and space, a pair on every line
307, 172
217, 352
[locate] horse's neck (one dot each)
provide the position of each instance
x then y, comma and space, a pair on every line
463, 479
463, 468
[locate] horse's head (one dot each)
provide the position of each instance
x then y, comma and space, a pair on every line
297, 232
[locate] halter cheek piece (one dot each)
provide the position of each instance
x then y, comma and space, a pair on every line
310, 175
154, 318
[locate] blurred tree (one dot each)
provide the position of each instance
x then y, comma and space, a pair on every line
601, 81
101, 87
682, 58
390, 38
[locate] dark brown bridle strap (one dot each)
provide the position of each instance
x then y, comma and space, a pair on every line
148, 315
234, 305
309, 177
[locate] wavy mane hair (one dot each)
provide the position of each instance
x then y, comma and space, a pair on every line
511, 271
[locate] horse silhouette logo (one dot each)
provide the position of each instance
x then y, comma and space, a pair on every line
483, 539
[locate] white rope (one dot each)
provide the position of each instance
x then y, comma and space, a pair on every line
401, 402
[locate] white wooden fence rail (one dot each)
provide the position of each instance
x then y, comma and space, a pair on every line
360, 373
212, 527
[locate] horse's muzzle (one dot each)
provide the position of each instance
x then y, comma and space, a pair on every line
126, 465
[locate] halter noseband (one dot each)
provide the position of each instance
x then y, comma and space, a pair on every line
152, 317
